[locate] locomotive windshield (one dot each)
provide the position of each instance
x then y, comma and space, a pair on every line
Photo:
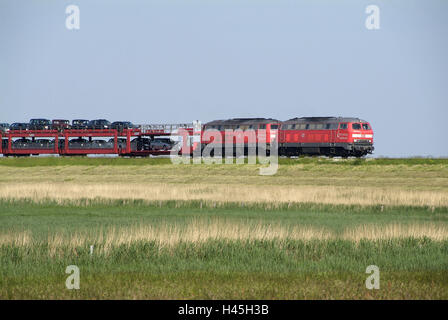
365, 126
356, 126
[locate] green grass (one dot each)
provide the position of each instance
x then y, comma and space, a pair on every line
221, 269
117, 161
49, 217
409, 268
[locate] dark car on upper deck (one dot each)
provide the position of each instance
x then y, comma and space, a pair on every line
121, 125
4, 127
40, 124
80, 124
19, 126
99, 124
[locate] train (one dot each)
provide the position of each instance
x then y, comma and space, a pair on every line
322, 136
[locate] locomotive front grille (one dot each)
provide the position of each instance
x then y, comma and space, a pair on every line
363, 142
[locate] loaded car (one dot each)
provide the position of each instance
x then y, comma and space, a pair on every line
80, 124
22, 143
59, 124
99, 124
19, 126
78, 143
101, 144
40, 144
161, 144
121, 142
40, 124
4, 127
120, 125
141, 144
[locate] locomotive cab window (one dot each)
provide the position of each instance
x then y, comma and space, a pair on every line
343, 126
356, 126
365, 126
274, 126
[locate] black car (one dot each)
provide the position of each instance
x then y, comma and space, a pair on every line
120, 125
80, 124
4, 127
19, 126
141, 144
78, 143
99, 124
161, 144
22, 143
121, 142
40, 124
41, 144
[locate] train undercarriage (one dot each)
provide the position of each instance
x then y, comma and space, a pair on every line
341, 150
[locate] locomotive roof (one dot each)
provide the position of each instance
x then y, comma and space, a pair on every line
242, 121
323, 119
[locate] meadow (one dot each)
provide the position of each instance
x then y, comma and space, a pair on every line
163, 231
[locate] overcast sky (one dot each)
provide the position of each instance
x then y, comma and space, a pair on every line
176, 61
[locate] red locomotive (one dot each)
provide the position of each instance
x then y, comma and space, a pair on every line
329, 136
245, 132
326, 136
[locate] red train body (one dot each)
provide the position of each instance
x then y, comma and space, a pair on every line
326, 136
330, 136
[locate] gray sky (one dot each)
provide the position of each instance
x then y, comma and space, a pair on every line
177, 61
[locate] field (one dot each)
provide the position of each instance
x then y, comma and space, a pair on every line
164, 231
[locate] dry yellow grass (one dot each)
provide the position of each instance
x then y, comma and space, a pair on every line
199, 231
393, 231
400, 176
363, 185
63, 192
23, 238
